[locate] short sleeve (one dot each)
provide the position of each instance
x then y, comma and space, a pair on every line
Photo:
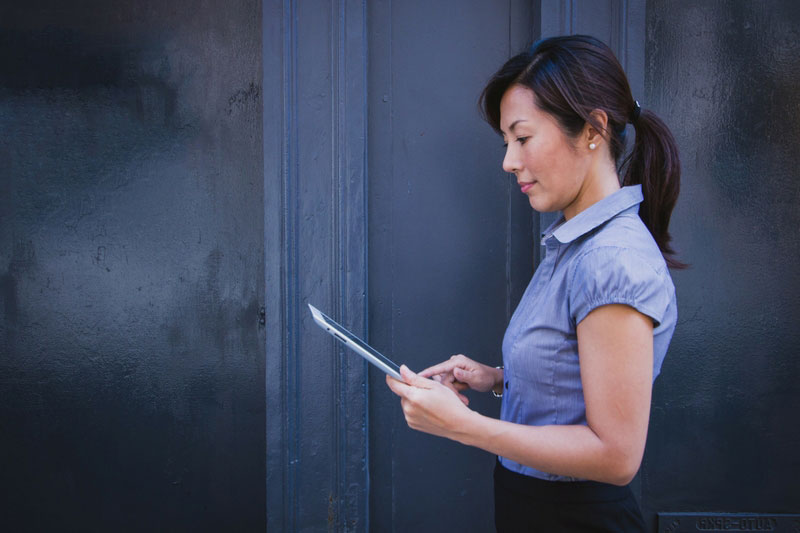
614, 275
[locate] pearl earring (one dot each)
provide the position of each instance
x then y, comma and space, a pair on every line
592, 146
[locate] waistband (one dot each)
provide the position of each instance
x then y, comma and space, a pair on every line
558, 491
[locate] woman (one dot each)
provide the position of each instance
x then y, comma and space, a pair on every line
590, 333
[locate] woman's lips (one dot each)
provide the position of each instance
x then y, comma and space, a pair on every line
525, 186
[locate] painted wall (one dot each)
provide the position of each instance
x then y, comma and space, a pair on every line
725, 429
131, 266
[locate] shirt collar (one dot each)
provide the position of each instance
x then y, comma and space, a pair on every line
595, 215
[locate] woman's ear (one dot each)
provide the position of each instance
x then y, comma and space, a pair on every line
591, 132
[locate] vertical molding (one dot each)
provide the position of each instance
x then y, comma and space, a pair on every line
566, 9
290, 375
350, 153
379, 134
634, 23
279, 49
622, 29
337, 257
307, 203
291, 250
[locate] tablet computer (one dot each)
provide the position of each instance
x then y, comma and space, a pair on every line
363, 349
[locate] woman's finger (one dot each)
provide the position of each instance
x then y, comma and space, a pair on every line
462, 374
404, 406
442, 368
449, 385
469, 376
415, 380
397, 386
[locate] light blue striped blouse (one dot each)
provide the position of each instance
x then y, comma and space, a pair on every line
603, 255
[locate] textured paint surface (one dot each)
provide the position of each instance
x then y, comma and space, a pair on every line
724, 432
450, 246
131, 267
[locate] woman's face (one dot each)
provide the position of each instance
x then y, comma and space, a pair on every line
550, 169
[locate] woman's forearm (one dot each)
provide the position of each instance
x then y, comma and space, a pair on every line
574, 451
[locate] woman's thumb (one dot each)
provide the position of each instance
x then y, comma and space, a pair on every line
460, 374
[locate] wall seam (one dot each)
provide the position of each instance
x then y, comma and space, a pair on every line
365, 251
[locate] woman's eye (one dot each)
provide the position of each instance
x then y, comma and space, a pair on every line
522, 140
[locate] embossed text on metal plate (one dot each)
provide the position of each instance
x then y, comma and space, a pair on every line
694, 522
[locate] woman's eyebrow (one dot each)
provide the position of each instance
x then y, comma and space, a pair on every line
514, 124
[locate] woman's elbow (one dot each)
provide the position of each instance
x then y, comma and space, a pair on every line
622, 468
624, 477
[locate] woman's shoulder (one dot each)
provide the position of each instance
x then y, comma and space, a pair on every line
620, 263
623, 238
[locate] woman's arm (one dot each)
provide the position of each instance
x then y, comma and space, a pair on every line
615, 346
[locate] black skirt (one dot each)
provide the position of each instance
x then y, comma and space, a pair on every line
525, 503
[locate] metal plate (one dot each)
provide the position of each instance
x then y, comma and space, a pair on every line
693, 522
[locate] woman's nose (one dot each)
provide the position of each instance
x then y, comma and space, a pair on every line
510, 161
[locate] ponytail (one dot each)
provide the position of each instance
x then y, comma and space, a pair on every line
654, 163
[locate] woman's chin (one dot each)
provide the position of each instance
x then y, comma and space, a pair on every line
539, 204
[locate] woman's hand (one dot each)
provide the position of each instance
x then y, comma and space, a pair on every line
460, 373
429, 406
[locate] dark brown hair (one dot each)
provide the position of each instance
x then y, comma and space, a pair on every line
574, 75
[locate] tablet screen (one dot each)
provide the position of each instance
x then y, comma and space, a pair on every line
349, 339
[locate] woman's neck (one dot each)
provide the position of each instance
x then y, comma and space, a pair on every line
598, 184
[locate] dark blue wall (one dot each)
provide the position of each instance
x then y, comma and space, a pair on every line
725, 432
131, 266
450, 242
